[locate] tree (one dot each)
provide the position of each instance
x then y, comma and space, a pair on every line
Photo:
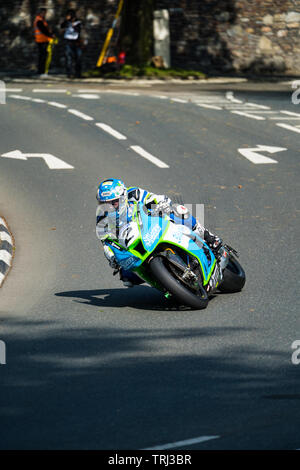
136, 35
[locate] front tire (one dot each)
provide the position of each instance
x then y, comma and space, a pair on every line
171, 284
234, 277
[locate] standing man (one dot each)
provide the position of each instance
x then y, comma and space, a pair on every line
42, 34
72, 28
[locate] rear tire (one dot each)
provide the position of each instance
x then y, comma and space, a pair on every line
234, 277
173, 285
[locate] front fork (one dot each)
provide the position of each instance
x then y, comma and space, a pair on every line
217, 275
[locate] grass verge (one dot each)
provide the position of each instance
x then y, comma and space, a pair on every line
132, 71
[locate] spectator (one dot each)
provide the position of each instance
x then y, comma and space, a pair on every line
42, 34
73, 52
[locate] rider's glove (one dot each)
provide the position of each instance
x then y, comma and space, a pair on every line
217, 246
163, 206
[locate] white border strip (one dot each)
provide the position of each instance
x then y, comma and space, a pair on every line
5, 255
5, 237
156, 161
196, 440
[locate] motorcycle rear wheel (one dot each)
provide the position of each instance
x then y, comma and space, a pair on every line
234, 277
158, 266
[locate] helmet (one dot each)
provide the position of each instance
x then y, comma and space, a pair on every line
112, 196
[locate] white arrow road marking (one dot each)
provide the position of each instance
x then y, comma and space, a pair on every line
255, 157
148, 156
230, 97
53, 162
173, 445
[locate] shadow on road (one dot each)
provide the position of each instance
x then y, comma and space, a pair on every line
139, 297
129, 388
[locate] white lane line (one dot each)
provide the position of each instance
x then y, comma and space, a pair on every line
38, 100
6, 237
290, 113
252, 116
288, 127
130, 93
20, 97
49, 90
217, 99
241, 107
156, 161
161, 97
209, 106
5, 256
80, 115
16, 90
185, 443
57, 105
259, 106
110, 130
87, 96
260, 111
290, 118
90, 90
178, 100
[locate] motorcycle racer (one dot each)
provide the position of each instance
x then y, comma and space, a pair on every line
115, 205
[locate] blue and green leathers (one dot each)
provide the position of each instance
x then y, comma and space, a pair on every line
143, 236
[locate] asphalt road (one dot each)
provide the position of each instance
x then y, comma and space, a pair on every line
93, 365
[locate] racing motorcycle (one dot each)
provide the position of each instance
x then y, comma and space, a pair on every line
162, 250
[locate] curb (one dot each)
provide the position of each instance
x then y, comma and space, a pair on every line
6, 250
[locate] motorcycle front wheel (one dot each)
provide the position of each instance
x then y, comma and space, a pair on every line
159, 268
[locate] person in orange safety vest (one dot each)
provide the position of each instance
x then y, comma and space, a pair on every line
42, 35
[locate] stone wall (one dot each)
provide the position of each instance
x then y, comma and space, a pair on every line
216, 36
258, 36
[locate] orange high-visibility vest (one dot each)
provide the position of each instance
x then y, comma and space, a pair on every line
39, 36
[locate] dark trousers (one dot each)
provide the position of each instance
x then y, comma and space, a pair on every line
42, 50
73, 53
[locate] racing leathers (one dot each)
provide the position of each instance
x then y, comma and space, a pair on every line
108, 227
